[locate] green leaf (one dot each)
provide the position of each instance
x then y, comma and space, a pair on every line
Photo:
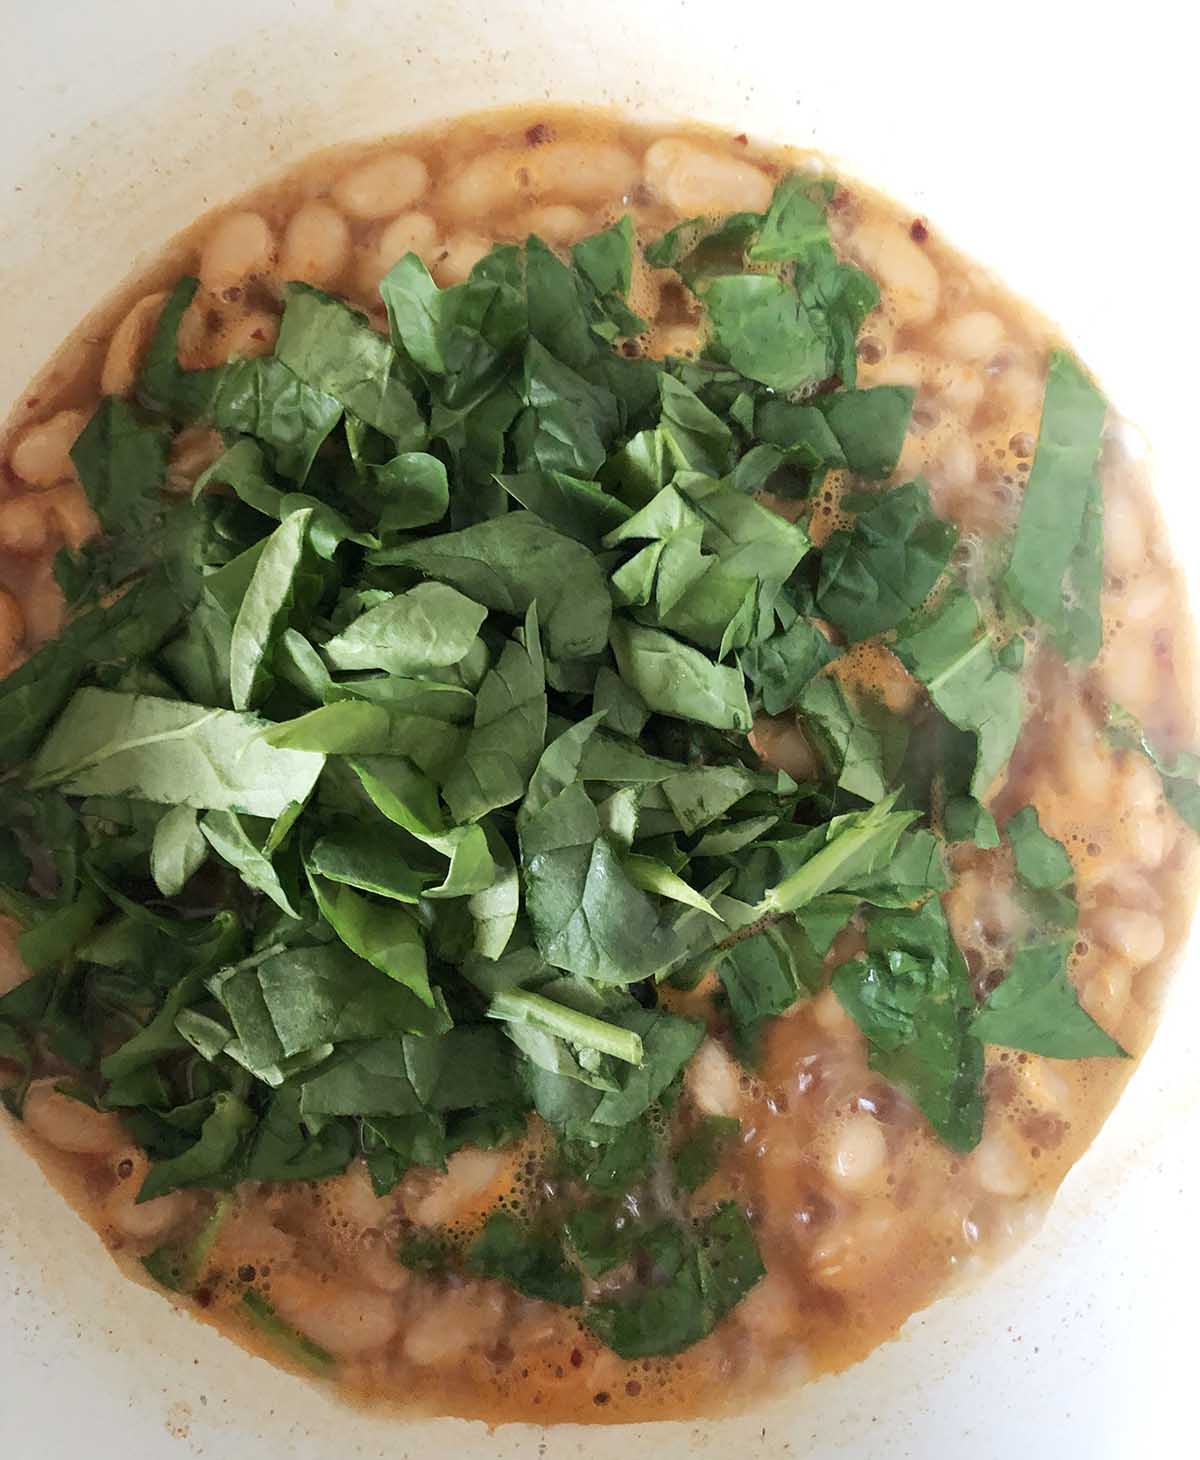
408, 798
965, 820
1055, 569
672, 678
178, 850
335, 350
108, 744
1180, 773
578, 509
870, 426
779, 668
953, 656
430, 627
861, 742
1041, 861
531, 1262
794, 224
241, 844
1037, 1009
212, 1160
700, 1154
369, 858
513, 561
696, 438
263, 614
762, 328
877, 574
584, 1031
495, 909
122, 464
654, 876
263, 398
914, 1004
855, 846
383, 933
509, 731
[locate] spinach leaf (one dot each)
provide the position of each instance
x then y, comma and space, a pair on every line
263, 398
108, 744
762, 328
858, 845
178, 850
1055, 569
953, 656
672, 678
369, 858
335, 350
431, 626
578, 509
512, 561
1037, 1009
1041, 861
1180, 773
213, 1159
496, 908
382, 933
911, 996
861, 742
700, 1154
264, 611
531, 1262
242, 844
880, 572
870, 426
509, 732
780, 667
122, 464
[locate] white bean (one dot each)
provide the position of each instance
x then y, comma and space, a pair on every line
251, 336
556, 223
410, 233
457, 1320
1000, 1166
345, 1321
972, 337
713, 1081
961, 387
240, 247
459, 255
316, 245
24, 527
904, 270
1136, 935
382, 187
1044, 1085
12, 968
857, 1161
1125, 541
45, 607
579, 172
1129, 674
42, 455
829, 1014
692, 179
73, 513
1106, 993
70, 1125
468, 1173
12, 631
144, 1221
129, 343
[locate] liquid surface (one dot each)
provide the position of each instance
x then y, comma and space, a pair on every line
861, 1215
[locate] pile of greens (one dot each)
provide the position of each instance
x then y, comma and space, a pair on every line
374, 795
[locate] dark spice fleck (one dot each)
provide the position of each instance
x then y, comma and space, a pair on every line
918, 231
536, 135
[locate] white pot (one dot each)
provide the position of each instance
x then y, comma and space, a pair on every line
1038, 136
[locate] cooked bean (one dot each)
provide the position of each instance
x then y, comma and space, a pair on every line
580, 172
44, 605
782, 744
905, 272
25, 526
12, 630
714, 1081
382, 187
345, 1321
1000, 1166
240, 247
73, 514
691, 179
316, 245
675, 339
556, 223
147, 1221
1105, 995
468, 1173
459, 255
972, 337
1136, 935
457, 1320
1125, 539
858, 1159
128, 346
42, 454
70, 1125
12, 968
410, 233
253, 335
